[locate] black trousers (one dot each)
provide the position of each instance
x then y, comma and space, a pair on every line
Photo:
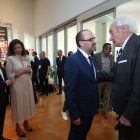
79, 132
60, 77
129, 133
35, 96
35, 81
2, 117
44, 85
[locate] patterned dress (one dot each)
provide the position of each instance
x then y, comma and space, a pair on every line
22, 97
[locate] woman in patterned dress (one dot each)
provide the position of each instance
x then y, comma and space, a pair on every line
18, 69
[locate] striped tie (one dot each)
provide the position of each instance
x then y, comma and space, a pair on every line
119, 53
92, 65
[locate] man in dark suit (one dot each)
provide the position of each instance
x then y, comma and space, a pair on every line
60, 61
3, 99
104, 61
81, 86
34, 65
43, 68
125, 76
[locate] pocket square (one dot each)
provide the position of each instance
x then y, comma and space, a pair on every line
122, 61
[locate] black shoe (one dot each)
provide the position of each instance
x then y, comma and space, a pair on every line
3, 138
42, 93
20, 133
28, 128
59, 93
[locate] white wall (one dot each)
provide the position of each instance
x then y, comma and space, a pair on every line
20, 13
31, 18
131, 8
50, 13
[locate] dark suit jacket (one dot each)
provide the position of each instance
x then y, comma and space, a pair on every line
98, 60
43, 64
35, 65
80, 87
60, 65
125, 76
3, 87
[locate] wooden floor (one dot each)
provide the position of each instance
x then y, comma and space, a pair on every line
49, 125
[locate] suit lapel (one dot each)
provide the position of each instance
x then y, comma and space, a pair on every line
1, 78
126, 48
86, 64
4, 73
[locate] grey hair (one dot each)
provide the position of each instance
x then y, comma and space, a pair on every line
127, 21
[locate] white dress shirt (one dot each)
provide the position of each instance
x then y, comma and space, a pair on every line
1, 73
86, 56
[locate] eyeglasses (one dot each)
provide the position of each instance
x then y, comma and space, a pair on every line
90, 39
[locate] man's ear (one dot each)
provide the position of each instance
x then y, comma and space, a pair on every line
81, 43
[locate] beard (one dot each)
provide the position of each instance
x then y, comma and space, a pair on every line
93, 47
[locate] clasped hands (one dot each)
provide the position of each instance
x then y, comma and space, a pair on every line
25, 70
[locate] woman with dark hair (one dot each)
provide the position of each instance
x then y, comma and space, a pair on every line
18, 69
70, 53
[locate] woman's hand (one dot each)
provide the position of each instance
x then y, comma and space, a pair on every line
26, 70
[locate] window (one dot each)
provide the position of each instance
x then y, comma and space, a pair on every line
71, 34
100, 27
50, 49
43, 44
60, 41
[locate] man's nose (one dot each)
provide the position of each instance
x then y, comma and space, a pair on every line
110, 39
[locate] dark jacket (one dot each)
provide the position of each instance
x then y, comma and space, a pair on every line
80, 87
60, 65
125, 76
3, 90
43, 67
98, 60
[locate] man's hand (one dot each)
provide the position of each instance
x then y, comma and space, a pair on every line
77, 122
125, 121
9, 82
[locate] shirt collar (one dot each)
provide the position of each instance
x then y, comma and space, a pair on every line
84, 53
123, 45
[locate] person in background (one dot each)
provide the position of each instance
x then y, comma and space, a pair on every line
70, 53
34, 70
81, 88
104, 61
4, 84
31, 62
43, 70
125, 77
60, 62
27, 55
18, 69
64, 112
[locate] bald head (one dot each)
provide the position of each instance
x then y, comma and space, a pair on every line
42, 54
59, 52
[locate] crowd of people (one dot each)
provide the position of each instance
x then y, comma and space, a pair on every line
91, 82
